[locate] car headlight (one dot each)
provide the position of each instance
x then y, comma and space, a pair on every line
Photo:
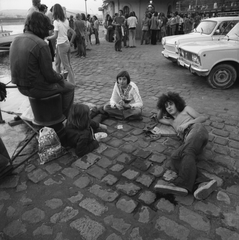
195, 59
181, 52
163, 41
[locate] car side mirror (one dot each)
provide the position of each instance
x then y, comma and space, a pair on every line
217, 32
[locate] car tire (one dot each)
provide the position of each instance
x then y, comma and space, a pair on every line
222, 76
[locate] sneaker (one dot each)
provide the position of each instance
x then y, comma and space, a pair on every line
170, 188
205, 189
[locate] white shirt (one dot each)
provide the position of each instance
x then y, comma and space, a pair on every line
132, 22
61, 28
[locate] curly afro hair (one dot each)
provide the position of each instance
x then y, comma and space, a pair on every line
170, 97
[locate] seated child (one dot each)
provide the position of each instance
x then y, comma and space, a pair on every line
125, 102
80, 130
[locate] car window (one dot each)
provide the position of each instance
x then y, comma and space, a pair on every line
206, 27
234, 33
224, 27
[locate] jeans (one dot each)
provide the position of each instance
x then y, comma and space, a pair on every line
145, 36
64, 88
132, 34
63, 55
97, 41
81, 47
183, 160
118, 33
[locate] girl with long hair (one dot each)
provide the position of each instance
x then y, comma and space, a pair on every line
63, 46
80, 130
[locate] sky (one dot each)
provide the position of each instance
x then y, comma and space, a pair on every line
92, 5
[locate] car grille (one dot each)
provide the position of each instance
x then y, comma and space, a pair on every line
170, 48
188, 55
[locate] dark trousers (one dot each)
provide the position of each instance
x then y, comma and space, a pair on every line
97, 41
81, 47
118, 33
154, 37
183, 160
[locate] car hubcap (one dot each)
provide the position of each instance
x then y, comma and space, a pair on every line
222, 77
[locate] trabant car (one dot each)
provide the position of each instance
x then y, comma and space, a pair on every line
208, 30
218, 61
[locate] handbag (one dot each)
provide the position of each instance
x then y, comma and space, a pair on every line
49, 145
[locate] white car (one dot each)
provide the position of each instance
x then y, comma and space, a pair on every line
217, 60
208, 30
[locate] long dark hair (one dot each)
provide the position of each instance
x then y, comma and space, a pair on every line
39, 24
79, 116
58, 13
170, 97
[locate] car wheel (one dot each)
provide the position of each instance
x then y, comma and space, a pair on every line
222, 76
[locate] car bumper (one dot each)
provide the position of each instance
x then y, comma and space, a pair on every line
170, 55
193, 69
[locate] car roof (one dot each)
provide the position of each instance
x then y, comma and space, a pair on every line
220, 19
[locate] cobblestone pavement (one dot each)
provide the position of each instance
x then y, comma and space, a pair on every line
109, 194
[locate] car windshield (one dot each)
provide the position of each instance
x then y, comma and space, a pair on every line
234, 33
206, 27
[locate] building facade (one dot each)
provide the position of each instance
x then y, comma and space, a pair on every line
139, 7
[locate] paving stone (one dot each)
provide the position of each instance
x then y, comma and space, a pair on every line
110, 179
218, 125
185, 200
141, 153
104, 162
1, 207
53, 168
54, 203
24, 200
172, 143
226, 161
157, 158
114, 142
165, 206
231, 220
231, 122
107, 195
234, 137
221, 141
82, 182
113, 236
234, 144
141, 164
59, 236
125, 158
43, 230
137, 124
145, 180
109, 122
156, 170
86, 161
111, 153
234, 154
88, 228
96, 172
220, 133
142, 143
137, 132
50, 181
117, 223
70, 172
93, 206
9, 182
29, 168
76, 198
226, 234
156, 147
37, 175
10, 212
171, 228
130, 138
234, 189
128, 148
147, 197
21, 187
223, 197
216, 119
194, 220
4, 195
119, 134
101, 148
221, 149
117, 168
130, 174
135, 235
64, 216
126, 204
15, 228
34, 215
128, 188
207, 208
144, 214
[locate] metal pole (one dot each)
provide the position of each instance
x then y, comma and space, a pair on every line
86, 8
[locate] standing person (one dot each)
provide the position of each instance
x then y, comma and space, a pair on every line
80, 29
125, 28
31, 65
145, 28
154, 28
164, 25
35, 7
110, 28
125, 102
132, 23
80, 130
91, 28
43, 8
88, 34
188, 24
188, 125
118, 23
96, 29
63, 46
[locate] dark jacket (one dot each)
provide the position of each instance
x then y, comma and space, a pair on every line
31, 62
82, 140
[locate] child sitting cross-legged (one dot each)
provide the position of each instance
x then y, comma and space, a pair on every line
80, 130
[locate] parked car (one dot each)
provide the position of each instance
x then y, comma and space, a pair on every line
218, 61
208, 30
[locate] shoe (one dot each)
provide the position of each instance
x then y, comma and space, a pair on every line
119, 50
170, 188
205, 189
